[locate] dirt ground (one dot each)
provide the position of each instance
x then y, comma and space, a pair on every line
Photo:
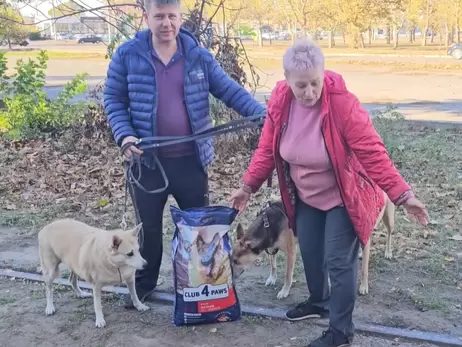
420, 288
23, 323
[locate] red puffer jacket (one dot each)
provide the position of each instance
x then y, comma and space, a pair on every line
359, 158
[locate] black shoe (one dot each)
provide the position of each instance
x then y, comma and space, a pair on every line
143, 295
330, 339
305, 310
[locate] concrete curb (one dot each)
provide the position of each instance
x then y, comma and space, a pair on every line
365, 328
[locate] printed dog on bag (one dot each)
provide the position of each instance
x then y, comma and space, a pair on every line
209, 261
203, 276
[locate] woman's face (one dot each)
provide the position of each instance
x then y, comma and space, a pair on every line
306, 85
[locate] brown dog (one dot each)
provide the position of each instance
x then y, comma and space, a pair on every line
270, 232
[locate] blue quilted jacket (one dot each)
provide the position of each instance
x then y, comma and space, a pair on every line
130, 93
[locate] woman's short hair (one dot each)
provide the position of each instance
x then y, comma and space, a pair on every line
304, 54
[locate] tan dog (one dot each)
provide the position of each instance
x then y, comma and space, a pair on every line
270, 232
97, 256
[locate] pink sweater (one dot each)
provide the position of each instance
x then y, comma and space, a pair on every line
302, 146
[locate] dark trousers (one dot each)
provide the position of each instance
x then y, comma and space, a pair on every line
188, 183
329, 247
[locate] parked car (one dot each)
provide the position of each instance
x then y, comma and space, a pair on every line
455, 51
90, 39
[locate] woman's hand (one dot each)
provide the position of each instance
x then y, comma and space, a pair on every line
239, 199
416, 210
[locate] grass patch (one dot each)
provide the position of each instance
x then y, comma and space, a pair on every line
54, 54
341, 48
393, 66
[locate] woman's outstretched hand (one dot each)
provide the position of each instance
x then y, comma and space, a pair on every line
417, 210
239, 199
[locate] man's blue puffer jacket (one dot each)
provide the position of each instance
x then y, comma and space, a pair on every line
130, 93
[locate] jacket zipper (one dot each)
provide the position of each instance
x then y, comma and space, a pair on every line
365, 178
154, 119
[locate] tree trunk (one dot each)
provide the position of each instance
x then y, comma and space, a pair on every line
424, 36
260, 37
395, 36
331, 38
355, 37
432, 38
388, 34
294, 34
9, 43
447, 34
413, 34
361, 38
369, 35
427, 24
344, 37
458, 30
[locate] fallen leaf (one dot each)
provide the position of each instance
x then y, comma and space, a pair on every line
11, 207
102, 203
456, 237
213, 330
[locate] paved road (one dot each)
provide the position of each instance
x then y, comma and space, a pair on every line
423, 110
72, 46
418, 95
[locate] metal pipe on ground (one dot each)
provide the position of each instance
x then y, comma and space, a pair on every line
365, 328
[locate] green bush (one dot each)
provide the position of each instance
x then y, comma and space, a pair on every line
26, 111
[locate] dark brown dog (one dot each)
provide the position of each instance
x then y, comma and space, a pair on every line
270, 232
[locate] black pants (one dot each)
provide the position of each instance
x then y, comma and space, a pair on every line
188, 183
329, 247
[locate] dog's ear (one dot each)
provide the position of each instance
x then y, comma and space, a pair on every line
216, 238
116, 241
199, 240
136, 230
239, 231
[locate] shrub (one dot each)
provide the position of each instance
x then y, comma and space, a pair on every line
387, 123
231, 143
26, 111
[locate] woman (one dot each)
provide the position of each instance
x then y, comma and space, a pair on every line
331, 166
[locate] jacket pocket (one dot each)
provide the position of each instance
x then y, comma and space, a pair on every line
365, 180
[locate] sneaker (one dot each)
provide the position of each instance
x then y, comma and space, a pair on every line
143, 295
330, 339
305, 310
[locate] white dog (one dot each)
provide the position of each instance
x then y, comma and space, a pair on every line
98, 256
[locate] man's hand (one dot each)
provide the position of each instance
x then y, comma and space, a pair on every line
132, 149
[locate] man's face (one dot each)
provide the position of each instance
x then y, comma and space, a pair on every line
164, 21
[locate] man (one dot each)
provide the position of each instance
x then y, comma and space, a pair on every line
158, 84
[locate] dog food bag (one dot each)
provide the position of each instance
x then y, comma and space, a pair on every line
202, 272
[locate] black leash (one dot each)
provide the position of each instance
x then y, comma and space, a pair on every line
154, 142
